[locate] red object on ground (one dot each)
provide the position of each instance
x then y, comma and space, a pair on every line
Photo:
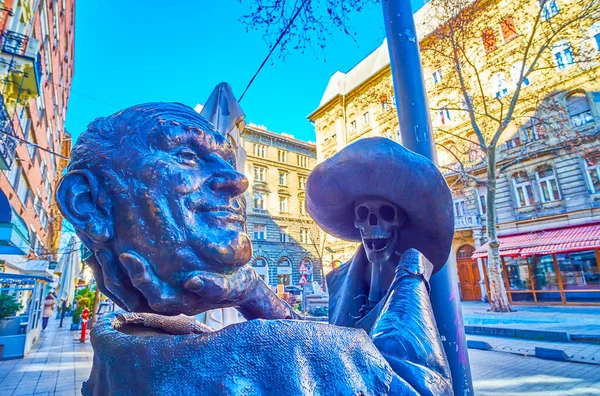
84, 321
560, 240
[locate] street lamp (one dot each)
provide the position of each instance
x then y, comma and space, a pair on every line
415, 127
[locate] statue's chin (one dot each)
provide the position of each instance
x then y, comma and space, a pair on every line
229, 253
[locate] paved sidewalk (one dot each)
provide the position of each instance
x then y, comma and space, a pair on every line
576, 351
57, 365
576, 320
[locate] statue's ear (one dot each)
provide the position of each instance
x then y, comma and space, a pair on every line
85, 203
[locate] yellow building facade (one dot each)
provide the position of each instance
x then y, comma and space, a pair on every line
549, 175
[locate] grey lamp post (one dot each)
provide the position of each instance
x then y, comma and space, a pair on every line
415, 127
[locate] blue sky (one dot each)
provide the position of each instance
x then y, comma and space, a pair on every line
130, 52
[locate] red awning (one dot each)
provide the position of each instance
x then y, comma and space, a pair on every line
560, 240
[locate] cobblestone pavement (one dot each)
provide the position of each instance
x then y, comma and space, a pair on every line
58, 365
506, 374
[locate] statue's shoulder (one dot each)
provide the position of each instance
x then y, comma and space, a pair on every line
336, 277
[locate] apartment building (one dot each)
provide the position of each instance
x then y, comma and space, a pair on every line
285, 240
36, 71
548, 185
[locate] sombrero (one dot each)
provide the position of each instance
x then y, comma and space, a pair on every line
380, 167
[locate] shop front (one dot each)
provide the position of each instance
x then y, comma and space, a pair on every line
558, 266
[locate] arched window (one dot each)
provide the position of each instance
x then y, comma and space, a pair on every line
547, 183
595, 35
499, 85
284, 262
532, 128
259, 262
523, 190
465, 252
578, 107
515, 74
563, 55
592, 166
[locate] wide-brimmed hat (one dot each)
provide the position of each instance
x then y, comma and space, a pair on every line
380, 167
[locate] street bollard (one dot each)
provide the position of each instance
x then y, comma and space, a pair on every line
84, 321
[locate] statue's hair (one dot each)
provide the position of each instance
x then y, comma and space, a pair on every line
104, 136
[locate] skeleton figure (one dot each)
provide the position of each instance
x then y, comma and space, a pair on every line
379, 222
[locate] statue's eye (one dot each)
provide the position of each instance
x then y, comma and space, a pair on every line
187, 157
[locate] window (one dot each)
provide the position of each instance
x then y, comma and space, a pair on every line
489, 40
366, 118
460, 207
302, 161
13, 174
259, 232
437, 76
259, 201
523, 190
353, 126
595, 35
284, 236
444, 115
592, 166
282, 155
482, 203
259, 261
260, 173
301, 182
548, 184
549, 8
302, 206
23, 189
499, 85
385, 104
260, 150
25, 123
509, 31
283, 204
533, 129
515, 141
578, 107
304, 235
283, 178
563, 55
515, 75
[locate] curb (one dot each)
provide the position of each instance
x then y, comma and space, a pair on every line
537, 335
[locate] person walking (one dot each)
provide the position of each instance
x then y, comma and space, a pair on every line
49, 305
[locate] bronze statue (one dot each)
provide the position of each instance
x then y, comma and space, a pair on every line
153, 192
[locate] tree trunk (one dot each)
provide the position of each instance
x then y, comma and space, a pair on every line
498, 296
95, 308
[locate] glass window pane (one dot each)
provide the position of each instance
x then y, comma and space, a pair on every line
542, 270
548, 297
579, 270
522, 297
518, 273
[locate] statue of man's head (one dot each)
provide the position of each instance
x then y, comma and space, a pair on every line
153, 193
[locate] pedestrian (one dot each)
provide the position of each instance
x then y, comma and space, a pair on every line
49, 305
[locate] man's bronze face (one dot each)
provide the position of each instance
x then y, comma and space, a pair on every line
184, 210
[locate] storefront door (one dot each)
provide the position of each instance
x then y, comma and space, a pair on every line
468, 274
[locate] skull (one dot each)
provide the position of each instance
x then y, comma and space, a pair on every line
379, 222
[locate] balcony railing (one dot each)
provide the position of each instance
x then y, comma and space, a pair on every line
464, 222
18, 44
8, 141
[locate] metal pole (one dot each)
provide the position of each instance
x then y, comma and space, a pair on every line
415, 127
62, 313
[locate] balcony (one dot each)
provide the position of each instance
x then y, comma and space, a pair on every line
8, 141
466, 222
20, 57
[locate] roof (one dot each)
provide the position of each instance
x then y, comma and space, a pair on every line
560, 240
284, 136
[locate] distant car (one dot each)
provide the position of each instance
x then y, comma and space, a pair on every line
295, 290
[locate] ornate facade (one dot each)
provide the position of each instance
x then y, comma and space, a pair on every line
548, 163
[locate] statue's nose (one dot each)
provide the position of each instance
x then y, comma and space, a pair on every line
231, 183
